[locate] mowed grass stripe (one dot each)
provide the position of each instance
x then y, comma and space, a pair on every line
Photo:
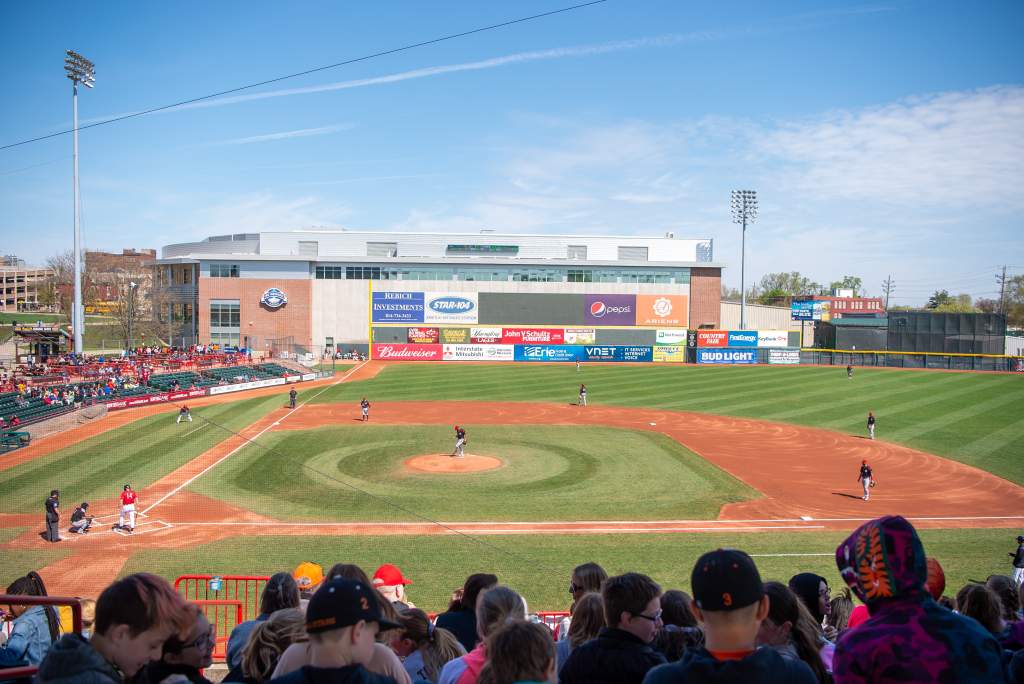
904, 400
139, 453
539, 566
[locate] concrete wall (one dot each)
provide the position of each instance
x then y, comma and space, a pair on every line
759, 317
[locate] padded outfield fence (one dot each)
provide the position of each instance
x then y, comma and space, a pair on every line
931, 360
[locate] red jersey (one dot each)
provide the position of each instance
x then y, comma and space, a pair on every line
128, 497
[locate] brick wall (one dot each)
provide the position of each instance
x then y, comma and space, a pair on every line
705, 296
260, 322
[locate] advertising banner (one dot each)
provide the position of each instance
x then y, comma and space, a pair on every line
406, 352
617, 353
549, 352
423, 335
726, 356
810, 310
670, 336
479, 352
789, 357
447, 307
667, 310
614, 309
397, 307
742, 338
308, 376
532, 335
772, 338
454, 335
239, 386
712, 338
580, 335
153, 399
669, 354
485, 335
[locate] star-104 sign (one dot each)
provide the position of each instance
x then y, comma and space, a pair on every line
274, 298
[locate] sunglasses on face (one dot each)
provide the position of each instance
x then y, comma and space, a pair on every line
203, 641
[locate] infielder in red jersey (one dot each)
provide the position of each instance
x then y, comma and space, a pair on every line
128, 500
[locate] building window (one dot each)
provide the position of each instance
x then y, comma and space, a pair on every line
362, 273
224, 315
580, 275
223, 270
186, 275
330, 272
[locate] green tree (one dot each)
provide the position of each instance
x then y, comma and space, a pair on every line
938, 298
959, 304
848, 283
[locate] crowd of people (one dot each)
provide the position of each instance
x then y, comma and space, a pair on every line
344, 626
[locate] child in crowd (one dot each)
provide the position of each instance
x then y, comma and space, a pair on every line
587, 621
34, 628
495, 607
342, 620
265, 644
424, 648
184, 655
134, 617
520, 653
729, 600
789, 631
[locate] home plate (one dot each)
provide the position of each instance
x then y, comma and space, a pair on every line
143, 528
806, 517
653, 423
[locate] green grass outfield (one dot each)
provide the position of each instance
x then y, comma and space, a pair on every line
551, 473
140, 453
975, 418
539, 566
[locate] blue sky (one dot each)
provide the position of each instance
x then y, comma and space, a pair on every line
882, 138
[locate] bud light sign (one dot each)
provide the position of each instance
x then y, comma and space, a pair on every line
726, 356
613, 309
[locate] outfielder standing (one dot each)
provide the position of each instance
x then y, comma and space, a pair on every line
460, 442
364, 406
184, 414
866, 478
292, 395
849, 371
583, 396
871, 425
1018, 562
128, 500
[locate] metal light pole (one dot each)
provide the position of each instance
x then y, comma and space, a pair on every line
744, 211
131, 314
80, 71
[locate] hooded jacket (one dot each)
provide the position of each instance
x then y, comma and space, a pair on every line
909, 637
73, 660
698, 666
615, 657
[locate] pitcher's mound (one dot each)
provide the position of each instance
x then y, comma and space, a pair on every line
446, 463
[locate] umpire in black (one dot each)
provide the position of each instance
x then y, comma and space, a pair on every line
53, 516
291, 397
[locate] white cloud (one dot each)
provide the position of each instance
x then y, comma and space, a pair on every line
286, 135
254, 212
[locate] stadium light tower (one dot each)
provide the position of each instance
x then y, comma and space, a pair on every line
80, 71
744, 211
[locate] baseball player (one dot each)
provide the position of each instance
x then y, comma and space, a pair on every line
1018, 562
184, 414
577, 365
460, 442
52, 506
292, 395
849, 371
866, 478
583, 396
128, 501
364, 406
81, 521
871, 425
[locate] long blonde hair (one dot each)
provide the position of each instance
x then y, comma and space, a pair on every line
497, 605
268, 641
518, 651
437, 645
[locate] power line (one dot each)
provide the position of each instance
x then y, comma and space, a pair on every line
314, 70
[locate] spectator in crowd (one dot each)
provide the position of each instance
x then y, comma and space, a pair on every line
390, 582
265, 644
134, 617
586, 578
423, 648
519, 652
587, 621
184, 654
681, 630
908, 638
308, 576
981, 603
495, 606
730, 602
34, 628
622, 650
460, 618
839, 612
88, 616
790, 631
1009, 596
813, 592
342, 620
280, 592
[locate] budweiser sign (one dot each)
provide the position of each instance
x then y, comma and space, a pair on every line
408, 352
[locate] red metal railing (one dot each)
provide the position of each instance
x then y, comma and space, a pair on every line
19, 600
223, 620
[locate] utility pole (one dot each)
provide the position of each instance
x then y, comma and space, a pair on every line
1001, 279
887, 287
81, 72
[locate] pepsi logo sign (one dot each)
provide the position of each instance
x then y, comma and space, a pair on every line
598, 309
274, 298
452, 305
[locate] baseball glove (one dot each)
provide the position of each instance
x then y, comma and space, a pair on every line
873, 483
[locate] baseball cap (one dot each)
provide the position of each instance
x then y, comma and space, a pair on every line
1020, 539
343, 602
725, 579
308, 574
388, 575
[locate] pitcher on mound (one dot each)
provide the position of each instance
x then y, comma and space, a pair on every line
460, 442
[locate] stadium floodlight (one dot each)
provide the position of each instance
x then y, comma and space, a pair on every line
81, 71
744, 211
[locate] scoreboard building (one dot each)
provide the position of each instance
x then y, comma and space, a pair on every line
437, 295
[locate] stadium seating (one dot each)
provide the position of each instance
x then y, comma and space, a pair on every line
185, 379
